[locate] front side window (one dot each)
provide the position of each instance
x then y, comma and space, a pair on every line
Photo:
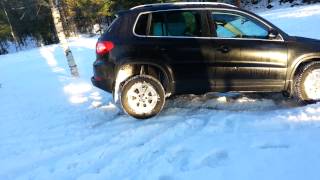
229, 25
170, 23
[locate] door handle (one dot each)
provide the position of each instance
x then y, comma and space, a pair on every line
162, 48
223, 49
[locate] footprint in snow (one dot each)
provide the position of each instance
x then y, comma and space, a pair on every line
181, 159
274, 146
215, 159
166, 177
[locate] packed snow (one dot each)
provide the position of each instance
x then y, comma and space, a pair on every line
53, 126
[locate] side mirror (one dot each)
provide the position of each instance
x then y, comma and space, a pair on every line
273, 34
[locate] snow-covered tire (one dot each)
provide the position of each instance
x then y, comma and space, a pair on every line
307, 83
142, 96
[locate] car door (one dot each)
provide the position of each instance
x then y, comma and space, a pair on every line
245, 58
178, 37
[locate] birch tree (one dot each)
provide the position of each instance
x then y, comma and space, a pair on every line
9, 22
62, 37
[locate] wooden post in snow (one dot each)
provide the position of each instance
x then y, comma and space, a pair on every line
62, 38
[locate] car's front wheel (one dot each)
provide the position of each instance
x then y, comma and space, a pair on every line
307, 83
142, 96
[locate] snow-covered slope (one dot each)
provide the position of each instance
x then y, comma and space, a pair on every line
298, 21
55, 127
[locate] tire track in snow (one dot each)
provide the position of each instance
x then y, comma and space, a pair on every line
146, 154
72, 150
67, 148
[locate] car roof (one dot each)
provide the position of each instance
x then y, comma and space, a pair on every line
178, 5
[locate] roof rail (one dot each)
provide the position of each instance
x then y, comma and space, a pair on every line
183, 3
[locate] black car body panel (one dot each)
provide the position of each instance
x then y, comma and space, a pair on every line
300, 50
202, 64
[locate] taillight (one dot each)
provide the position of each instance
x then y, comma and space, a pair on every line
104, 47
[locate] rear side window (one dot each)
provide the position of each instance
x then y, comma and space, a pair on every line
158, 25
170, 23
183, 23
141, 26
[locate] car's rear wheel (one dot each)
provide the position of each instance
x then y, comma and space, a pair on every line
142, 96
307, 83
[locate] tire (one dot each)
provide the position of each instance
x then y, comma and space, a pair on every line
142, 105
306, 86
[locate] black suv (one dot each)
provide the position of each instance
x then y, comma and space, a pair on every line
153, 51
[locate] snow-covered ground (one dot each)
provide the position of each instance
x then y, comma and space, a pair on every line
263, 5
12, 47
298, 21
55, 127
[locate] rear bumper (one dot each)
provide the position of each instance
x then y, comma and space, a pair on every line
103, 75
105, 85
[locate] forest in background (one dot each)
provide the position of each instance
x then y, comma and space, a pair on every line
26, 23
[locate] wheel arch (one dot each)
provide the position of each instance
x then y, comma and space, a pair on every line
126, 70
295, 68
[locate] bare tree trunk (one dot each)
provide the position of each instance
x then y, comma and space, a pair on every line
68, 21
62, 38
9, 22
238, 3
